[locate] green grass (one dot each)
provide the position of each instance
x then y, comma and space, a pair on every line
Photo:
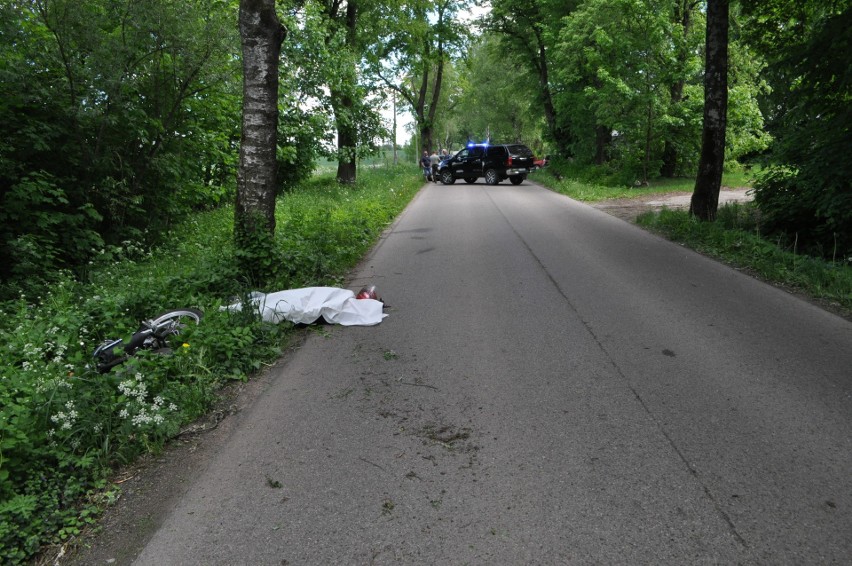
593, 185
64, 427
735, 239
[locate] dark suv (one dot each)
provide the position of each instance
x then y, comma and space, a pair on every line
511, 161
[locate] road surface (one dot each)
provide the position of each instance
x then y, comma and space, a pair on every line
552, 386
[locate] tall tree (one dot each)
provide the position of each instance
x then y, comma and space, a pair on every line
613, 57
351, 29
261, 35
342, 42
529, 31
343, 103
411, 57
705, 198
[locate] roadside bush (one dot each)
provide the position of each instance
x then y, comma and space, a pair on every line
810, 216
806, 196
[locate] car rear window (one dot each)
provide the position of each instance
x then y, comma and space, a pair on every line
520, 150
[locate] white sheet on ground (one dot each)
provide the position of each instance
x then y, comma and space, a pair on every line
305, 306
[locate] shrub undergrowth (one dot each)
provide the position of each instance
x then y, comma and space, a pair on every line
64, 427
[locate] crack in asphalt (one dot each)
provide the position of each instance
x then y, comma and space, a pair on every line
689, 466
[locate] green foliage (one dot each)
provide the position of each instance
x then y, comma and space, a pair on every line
38, 201
299, 137
490, 102
327, 43
746, 132
583, 182
616, 56
625, 78
411, 51
324, 225
805, 194
115, 121
63, 426
528, 33
736, 238
808, 214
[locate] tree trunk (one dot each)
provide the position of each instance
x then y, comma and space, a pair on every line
261, 34
393, 135
649, 138
436, 94
705, 198
426, 138
347, 130
422, 118
670, 153
347, 138
603, 139
556, 133
427, 119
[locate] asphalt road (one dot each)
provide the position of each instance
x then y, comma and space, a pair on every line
552, 386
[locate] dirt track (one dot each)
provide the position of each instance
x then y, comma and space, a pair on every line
629, 208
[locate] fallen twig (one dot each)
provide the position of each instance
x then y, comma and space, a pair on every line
371, 463
419, 385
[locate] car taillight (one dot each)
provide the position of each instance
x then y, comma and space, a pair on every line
509, 161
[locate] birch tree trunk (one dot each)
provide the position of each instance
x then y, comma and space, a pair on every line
261, 35
705, 198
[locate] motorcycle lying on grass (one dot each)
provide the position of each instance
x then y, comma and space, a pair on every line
152, 335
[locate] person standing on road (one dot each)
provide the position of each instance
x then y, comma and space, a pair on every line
434, 160
426, 165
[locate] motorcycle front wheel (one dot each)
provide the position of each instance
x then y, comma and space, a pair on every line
171, 323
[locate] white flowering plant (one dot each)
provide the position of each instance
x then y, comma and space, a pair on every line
63, 425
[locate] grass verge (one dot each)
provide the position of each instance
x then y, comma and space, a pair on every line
735, 239
64, 427
588, 184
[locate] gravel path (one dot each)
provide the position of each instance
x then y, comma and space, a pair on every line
629, 208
